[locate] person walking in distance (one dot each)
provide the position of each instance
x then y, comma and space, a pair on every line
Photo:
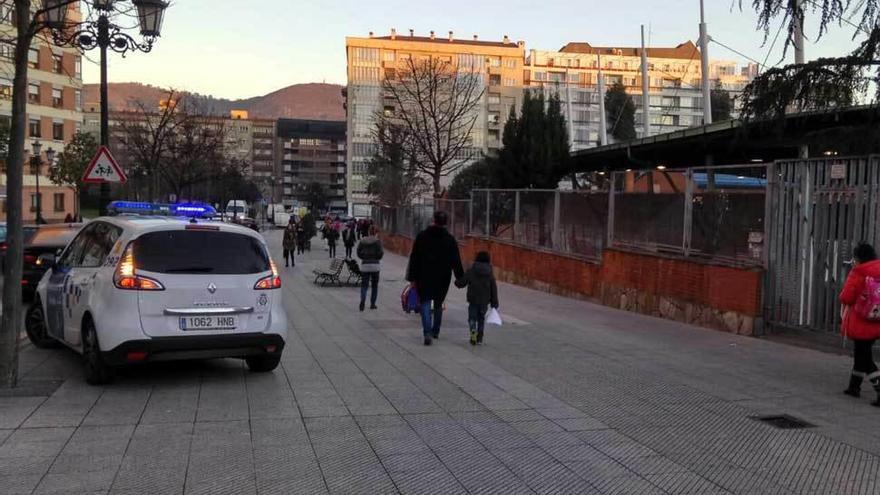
482, 292
349, 237
332, 236
370, 252
860, 298
288, 243
433, 260
301, 237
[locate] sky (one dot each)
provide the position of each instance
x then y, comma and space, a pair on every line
244, 48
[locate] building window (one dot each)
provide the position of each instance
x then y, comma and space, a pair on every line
33, 58
509, 81
494, 80
494, 61
5, 87
58, 131
35, 198
78, 70
510, 63
388, 55
78, 96
57, 63
59, 201
57, 100
6, 12
34, 128
7, 50
494, 118
540, 76
494, 100
34, 93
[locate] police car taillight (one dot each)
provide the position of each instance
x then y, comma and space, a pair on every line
271, 282
126, 278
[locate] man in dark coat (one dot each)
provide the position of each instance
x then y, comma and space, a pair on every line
433, 260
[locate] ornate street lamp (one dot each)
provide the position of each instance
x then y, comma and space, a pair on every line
36, 161
103, 34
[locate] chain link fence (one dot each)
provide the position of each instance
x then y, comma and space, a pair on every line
713, 213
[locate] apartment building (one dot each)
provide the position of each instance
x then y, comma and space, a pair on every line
674, 73
251, 141
371, 60
54, 113
312, 151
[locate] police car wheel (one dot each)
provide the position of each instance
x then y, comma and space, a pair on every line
97, 372
262, 364
35, 326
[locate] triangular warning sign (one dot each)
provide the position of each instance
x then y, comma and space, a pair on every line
104, 168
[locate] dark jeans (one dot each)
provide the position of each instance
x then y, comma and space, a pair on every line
288, 257
348, 250
370, 280
431, 326
863, 357
477, 317
301, 248
332, 250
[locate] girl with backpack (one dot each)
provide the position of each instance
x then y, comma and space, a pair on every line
860, 298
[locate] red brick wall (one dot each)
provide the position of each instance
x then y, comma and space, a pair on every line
722, 288
654, 278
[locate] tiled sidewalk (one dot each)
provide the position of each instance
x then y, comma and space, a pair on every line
571, 398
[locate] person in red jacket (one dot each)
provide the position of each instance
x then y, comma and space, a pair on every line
862, 331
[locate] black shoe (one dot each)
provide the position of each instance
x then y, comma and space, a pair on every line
437, 335
427, 340
480, 338
361, 306
373, 306
855, 386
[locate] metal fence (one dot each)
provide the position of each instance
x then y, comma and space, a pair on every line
571, 223
714, 213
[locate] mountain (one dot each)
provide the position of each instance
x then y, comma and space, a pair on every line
300, 101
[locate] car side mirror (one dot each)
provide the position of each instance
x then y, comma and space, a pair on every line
46, 260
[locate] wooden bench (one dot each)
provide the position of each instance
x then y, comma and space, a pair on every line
331, 274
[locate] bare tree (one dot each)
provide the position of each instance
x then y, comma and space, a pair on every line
437, 105
195, 152
28, 23
146, 138
393, 179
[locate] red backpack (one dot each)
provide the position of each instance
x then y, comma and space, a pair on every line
868, 304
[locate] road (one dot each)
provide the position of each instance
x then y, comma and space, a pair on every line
569, 397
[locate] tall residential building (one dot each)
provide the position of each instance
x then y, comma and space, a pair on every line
675, 98
312, 151
373, 59
54, 113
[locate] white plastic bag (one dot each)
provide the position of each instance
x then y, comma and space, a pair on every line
493, 317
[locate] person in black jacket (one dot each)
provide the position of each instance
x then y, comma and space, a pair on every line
349, 236
482, 291
433, 260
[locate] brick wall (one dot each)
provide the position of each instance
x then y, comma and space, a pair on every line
699, 293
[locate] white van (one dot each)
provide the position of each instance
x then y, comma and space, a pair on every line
237, 208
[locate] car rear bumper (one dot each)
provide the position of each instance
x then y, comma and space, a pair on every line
194, 347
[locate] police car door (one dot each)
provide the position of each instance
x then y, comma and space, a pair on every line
84, 275
59, 284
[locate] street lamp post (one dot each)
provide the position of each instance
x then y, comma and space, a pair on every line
103, 34
36, 164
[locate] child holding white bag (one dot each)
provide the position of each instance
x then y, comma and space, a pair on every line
482, 292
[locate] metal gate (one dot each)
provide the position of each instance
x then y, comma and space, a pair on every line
818, 210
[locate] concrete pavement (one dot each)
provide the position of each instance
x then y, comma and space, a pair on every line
569, 398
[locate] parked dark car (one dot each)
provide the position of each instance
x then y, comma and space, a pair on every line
38, 240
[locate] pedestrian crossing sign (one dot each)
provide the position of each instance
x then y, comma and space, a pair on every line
104, 168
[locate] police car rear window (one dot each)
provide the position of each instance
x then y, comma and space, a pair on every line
200, 252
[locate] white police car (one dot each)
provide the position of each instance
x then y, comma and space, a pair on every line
130, 289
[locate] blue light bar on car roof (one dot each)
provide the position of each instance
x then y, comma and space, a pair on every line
189, 210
